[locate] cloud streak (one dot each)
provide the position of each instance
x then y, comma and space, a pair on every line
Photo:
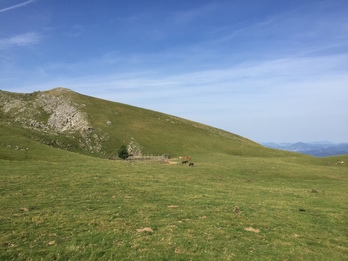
280, 78
184, 17
28, 38
16, 6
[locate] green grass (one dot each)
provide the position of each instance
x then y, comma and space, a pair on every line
62, 204
74, 207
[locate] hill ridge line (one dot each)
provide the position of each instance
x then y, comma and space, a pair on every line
66, 119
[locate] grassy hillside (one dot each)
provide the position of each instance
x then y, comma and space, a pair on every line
61, 205
240, 201
103, 126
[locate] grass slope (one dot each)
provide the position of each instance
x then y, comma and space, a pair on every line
56, 204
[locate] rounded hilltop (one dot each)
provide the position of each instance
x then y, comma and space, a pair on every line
59, 90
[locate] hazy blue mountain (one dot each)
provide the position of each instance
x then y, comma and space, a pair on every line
318, 149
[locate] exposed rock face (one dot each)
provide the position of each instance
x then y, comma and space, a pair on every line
50, 112
134, 148
63, 114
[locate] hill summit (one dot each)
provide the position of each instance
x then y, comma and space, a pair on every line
65, 119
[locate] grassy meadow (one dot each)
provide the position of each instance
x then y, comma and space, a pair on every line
240, 201
68, 206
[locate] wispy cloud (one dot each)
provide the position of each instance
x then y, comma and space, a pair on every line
134, 18
299, 31
75, 30
28, 38
281, 78
186, 16
16, 6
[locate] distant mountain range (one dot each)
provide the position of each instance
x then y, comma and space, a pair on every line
318, 149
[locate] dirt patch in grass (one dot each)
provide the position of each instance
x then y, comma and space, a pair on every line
145, 229
251, 229
172, 161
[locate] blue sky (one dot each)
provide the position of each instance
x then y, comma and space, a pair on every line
267, 70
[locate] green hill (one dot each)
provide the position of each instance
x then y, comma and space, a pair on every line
68, 120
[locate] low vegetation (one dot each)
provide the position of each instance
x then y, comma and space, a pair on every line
240, 201
123, 152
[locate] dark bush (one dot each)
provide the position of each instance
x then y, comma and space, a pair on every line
123, 152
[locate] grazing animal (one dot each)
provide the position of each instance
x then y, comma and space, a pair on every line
191, 164
184, 162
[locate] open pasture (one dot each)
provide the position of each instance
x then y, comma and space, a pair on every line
68, 206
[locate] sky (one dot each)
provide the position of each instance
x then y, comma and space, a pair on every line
270, 70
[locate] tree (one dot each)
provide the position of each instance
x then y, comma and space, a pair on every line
123, 152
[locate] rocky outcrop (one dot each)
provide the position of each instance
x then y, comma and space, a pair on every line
64, 115
60, 112
134, 148
52, 112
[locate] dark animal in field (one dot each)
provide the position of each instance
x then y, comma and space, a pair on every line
184, 162
191, 164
